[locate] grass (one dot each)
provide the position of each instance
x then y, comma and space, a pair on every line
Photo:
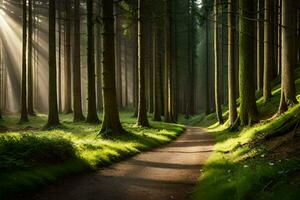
241, 166
31, 157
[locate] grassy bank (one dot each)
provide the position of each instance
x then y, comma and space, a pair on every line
253, 163
31, 157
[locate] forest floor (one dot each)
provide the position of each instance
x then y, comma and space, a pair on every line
257, 162
168, 172
32, 157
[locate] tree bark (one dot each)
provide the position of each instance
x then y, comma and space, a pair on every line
248, 108
92, 107
268, 64
231, 65
24, 114
288, 96
30, 65
53, 119
67, 71
156, 75
77, 101
142, 104
217, 64
111, 123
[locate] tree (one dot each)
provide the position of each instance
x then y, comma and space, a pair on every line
248, 108
156, 75
268, 64
53, 119
78, 116
231, 63
111, 122
24, 114
30, 66
288, 92
92, 103
67, 72
167, 79
142, 104
217, 64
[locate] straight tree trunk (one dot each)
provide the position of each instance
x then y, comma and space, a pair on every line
59, 60
111, 123
288, 95
260, 51
30, 58
24, 114
53, 119
156, 75
268, 64
217, 64
77, 101
207, 103
248, 108
231, 65
142, 104
167, 84
92, 107
67, 72
99, 68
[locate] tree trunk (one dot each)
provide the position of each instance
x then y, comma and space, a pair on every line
53, 119
30, 65
67, 72
260, 51
207, 103
142, 104
77, 101
156, 75
268, 64
217, 64
248, 108
99, 67
59, 60
24, 115
92, 107
167, 84
111, 123
288, 97
231, 65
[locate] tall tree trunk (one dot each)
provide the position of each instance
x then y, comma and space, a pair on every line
268, 64
24, 115
111, 123
217, 64
288, 96
99, 67
156, 75
167, 84
67, 72
53, 119
92, 107
260, 51
142, 104
30, 58
77, 101
59, 59
248, 108
231, 65
207, 103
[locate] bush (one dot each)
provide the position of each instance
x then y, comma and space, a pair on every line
27, 151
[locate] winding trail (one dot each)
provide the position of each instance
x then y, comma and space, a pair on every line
168, 172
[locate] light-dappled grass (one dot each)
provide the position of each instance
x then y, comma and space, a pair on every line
240, 166
73, 148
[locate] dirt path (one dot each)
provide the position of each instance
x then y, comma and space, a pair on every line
169, 172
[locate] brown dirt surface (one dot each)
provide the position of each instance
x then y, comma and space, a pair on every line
168, 172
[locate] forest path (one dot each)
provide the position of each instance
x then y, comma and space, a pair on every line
168, 172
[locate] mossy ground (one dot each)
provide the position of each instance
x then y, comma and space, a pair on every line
243, 166
20, 144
